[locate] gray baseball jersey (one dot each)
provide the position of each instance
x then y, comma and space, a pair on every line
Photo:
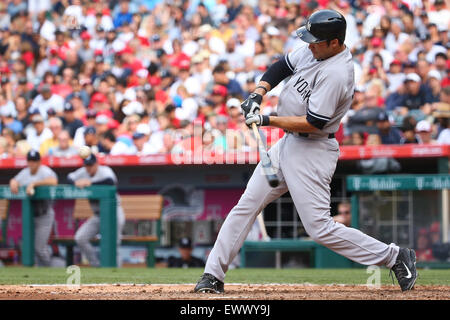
43, 213
321, 90
103, 173
24, 177
92, 226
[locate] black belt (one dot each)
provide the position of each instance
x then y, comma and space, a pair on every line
306, 135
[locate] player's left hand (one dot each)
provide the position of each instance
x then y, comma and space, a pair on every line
251, 104
258, 119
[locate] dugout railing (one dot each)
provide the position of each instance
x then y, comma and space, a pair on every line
107, 202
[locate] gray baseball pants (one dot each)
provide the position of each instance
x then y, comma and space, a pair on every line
90, 229
305, 168
42, 228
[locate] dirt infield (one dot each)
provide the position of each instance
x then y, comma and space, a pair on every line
233, 292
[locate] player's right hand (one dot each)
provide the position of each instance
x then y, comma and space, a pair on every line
251, 104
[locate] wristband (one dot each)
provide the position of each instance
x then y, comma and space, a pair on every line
265, 120
262, 88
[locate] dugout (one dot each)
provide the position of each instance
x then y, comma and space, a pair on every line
199, 194
409, 210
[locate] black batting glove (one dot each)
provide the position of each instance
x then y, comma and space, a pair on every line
251, 104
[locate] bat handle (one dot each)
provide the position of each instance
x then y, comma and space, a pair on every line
256, 132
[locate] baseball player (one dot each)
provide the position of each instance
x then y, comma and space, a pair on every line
34, 175
311, 105
92, 173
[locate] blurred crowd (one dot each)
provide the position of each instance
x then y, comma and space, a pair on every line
151, 76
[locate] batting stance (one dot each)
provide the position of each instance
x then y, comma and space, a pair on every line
92, 173
34, 175
311, 105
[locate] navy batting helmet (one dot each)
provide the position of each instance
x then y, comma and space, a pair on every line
323, 25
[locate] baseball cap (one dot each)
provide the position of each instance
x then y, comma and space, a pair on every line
412, 77
184, 64
90, 160
221, 119
220, 90
99, 97
409, 64
155, 37
33, 155
5, 112
51, 112
233, 102
273, 31
396, 62
101, 119
142, 73
434, 74
382, 116
68, 107
423, 126
77, 95
90, 130
91, 113
143, 128
85, 35
138, 135
185, 243
37, 118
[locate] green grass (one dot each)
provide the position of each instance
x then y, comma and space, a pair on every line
24, 275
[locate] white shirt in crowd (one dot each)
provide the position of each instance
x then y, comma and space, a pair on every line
55, 102
35, 140
444, 137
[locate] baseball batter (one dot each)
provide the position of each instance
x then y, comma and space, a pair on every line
310, 108
34, 175
92, 173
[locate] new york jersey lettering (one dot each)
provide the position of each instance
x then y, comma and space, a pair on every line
302, 88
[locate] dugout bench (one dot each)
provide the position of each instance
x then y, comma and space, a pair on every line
137, 208
320, 256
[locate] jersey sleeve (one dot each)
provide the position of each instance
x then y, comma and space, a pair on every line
75, 175
104, 173
294, 57
20, 177
48, 173
324, 99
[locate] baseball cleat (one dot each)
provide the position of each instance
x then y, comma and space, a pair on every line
209, 284
405, 269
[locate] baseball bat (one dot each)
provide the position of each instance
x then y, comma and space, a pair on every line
266, 163
262, 227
